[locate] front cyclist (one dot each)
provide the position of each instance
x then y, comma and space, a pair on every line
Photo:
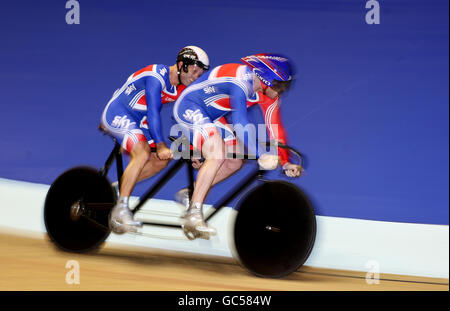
132, 116
229, 90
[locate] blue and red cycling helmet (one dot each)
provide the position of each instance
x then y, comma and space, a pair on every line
274, 70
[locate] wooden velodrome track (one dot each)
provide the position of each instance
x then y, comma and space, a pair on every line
32, 263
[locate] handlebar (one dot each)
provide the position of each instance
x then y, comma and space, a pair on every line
294, 151
229, 155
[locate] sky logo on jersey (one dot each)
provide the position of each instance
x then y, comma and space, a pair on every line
122, 122
130, 89
209, 90
195, 117
163, 71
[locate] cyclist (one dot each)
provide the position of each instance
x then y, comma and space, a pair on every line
132, 116
230, 90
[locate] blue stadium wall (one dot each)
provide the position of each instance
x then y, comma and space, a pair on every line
369, 108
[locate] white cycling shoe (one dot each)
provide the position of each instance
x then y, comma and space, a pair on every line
121, 219
194, 225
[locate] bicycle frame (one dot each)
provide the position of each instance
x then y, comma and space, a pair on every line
174, 168
116, 155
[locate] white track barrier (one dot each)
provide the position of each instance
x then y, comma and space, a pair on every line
341, 243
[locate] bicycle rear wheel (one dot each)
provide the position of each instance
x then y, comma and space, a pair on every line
72, 222
274, 230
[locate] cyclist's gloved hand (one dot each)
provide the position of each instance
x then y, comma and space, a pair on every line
293, 170
268, 161
163, 152
196, 163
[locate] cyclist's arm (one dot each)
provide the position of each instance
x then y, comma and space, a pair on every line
153, 98
238, 102
274, 125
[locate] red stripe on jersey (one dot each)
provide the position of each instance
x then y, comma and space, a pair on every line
129, 144
148, 68
180, 88
223, 102
198, 144
231, 142
168, 98
142, 101
228, 70
141, 137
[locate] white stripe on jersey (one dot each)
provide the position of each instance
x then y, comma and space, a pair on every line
218, 107
136, 98
268, 118
213, 73
211, 102
130, 134
172, 94
254, 100
211, 99
140, 107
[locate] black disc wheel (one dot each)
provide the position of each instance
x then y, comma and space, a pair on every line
274, 229
77, 208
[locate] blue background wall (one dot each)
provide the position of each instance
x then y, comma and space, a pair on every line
370, 108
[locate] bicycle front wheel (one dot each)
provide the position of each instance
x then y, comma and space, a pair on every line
274, 230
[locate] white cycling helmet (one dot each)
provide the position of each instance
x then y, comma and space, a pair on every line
193, 55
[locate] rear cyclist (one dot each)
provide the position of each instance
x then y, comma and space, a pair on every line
132, 116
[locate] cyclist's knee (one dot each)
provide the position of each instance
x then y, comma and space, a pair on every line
214, 149
141, 152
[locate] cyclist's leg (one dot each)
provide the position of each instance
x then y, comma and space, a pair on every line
122, 125
213, 151
142, 161
140, 156
214, 155
205, 137
230, 166
153, 166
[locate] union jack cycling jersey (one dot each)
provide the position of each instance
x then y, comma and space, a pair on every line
227, 90
133, 112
